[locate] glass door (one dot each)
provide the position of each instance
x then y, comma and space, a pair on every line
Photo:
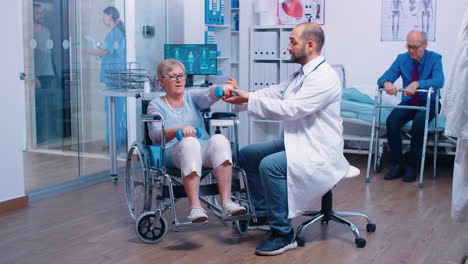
48, 86
66, 44
100, 35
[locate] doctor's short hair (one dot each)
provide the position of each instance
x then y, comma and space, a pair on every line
166, 65
313, 32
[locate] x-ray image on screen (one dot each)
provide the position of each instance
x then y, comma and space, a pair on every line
198, 59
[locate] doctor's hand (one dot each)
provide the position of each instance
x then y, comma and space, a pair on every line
231, 81
236, 96
411, 88
390, 88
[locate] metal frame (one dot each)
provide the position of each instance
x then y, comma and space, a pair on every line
375, 132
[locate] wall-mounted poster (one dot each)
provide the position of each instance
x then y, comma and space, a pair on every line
401, 16
292, 12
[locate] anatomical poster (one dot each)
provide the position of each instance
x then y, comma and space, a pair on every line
292, 12
401, 16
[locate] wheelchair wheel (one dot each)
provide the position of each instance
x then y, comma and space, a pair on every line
242, 226
149, 228
138, 183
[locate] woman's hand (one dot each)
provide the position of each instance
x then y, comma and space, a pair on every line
188, 131
236, 96
226, 91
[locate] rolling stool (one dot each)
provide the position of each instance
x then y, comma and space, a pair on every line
326, 214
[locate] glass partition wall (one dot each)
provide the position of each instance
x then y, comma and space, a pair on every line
67, 45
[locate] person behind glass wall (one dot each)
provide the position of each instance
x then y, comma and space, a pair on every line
113, 56
44, 74
419, 69
181, 110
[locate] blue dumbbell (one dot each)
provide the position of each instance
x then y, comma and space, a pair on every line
180, 135
219, 92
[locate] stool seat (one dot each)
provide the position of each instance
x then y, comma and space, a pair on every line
353, 172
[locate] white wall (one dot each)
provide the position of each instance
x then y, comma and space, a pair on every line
352, 30
12, 108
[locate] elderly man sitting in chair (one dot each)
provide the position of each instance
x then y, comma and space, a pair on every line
418, 68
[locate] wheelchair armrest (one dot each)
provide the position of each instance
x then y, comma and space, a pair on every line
150, 117
223, 115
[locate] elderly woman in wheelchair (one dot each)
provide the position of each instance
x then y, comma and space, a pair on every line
189, 147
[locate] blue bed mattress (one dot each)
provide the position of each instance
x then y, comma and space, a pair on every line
356, 105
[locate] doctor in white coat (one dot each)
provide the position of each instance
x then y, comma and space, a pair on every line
287, 176
455, 108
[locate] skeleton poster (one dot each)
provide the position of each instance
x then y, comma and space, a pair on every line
401, 16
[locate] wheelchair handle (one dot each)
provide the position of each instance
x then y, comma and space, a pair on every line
219, 92
180, 135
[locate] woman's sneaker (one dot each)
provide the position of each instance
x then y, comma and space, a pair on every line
197, 214
232, 209
260, 224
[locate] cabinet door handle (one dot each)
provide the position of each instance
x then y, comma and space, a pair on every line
22, 76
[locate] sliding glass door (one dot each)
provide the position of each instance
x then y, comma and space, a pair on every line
66, 43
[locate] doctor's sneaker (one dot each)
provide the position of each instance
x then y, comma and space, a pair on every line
261, 224
277, 244
232, 209
197, 214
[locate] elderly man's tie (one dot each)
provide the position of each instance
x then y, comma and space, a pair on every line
415, 77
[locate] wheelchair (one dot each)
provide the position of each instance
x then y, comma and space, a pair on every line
152, 188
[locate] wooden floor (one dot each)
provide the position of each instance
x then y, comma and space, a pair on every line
42, 169
92, 225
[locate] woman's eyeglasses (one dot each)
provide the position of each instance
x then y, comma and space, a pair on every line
174, 77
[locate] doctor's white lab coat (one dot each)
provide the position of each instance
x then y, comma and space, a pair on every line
313, 131
455, 108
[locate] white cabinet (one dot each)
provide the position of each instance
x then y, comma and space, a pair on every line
225, 35
269, 64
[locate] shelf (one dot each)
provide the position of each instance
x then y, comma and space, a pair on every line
222, 58
234, 32
234, 62
218, 26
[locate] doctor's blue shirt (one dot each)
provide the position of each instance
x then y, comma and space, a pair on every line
429, 69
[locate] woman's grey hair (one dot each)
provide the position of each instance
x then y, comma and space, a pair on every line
167, 65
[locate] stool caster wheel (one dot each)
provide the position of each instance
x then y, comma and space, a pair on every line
300, 241
242, 226
360, 242
370, 227
324, 222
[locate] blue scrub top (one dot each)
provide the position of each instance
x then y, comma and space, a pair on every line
116, 48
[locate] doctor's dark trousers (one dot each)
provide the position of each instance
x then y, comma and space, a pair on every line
395, 121
266, 166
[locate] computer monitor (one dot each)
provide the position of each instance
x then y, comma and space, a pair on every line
198, 59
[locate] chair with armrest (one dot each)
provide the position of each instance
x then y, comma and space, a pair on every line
327, 214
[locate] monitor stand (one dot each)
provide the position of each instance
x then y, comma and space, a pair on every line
189, 80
